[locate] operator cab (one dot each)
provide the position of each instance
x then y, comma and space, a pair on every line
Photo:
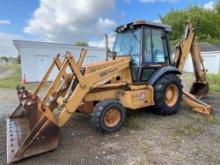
147, 44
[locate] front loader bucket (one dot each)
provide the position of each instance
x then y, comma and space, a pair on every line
200, 90
29, 131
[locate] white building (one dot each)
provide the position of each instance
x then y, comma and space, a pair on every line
211, 62
36, 57
211, 56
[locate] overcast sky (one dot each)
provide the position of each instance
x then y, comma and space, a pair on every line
66, 21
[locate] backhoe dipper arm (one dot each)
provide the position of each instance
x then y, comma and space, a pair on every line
199, 68
183, 48
189, 45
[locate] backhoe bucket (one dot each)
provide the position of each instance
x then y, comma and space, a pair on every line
29, 131
199, 89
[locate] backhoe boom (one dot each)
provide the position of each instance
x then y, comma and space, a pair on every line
189, 46
200, 88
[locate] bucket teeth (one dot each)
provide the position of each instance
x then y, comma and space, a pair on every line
29, 131
23, 94
23, 142
20, 89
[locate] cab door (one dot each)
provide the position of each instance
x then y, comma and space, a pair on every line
155, 52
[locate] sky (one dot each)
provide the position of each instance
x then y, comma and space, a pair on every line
68, 21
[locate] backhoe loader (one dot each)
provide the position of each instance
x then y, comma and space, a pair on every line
138, 73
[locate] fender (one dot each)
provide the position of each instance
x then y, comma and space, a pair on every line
160, 72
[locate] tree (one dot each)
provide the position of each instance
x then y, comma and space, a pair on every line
81, 43
5, 59
18, 60
208, 25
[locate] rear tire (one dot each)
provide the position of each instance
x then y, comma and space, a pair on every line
167, 94
108, 115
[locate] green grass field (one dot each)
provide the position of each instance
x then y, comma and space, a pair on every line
11, 80
214, 82
14, 78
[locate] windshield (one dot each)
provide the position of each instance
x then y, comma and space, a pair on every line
128, 42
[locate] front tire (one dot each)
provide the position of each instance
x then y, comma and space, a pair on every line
108, 115
168, 94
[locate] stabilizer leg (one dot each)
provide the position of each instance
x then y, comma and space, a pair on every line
196, 104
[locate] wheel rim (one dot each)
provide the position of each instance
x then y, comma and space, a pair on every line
171, 95
112, 117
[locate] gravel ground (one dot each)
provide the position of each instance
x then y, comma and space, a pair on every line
146, 138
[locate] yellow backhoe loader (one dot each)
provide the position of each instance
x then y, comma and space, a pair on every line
138, 73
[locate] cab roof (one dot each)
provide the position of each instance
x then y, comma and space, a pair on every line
142, 23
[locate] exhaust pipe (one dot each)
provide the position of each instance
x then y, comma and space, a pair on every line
106, 47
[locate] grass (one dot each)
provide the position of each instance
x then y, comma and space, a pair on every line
191, 129
213, 120
135, 122
14, 79
146, 147
214, 82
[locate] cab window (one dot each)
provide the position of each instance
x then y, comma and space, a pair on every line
128, 42
147, 46
153, 46
157, 46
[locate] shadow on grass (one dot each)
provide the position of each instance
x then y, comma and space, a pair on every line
136, 119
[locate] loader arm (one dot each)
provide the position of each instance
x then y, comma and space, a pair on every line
86, 83
33, 127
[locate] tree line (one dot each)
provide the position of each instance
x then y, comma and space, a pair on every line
15, 60
208, 22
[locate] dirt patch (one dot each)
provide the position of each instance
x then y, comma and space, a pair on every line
146, 138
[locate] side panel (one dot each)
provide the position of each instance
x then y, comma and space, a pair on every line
135, 99
101, 95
